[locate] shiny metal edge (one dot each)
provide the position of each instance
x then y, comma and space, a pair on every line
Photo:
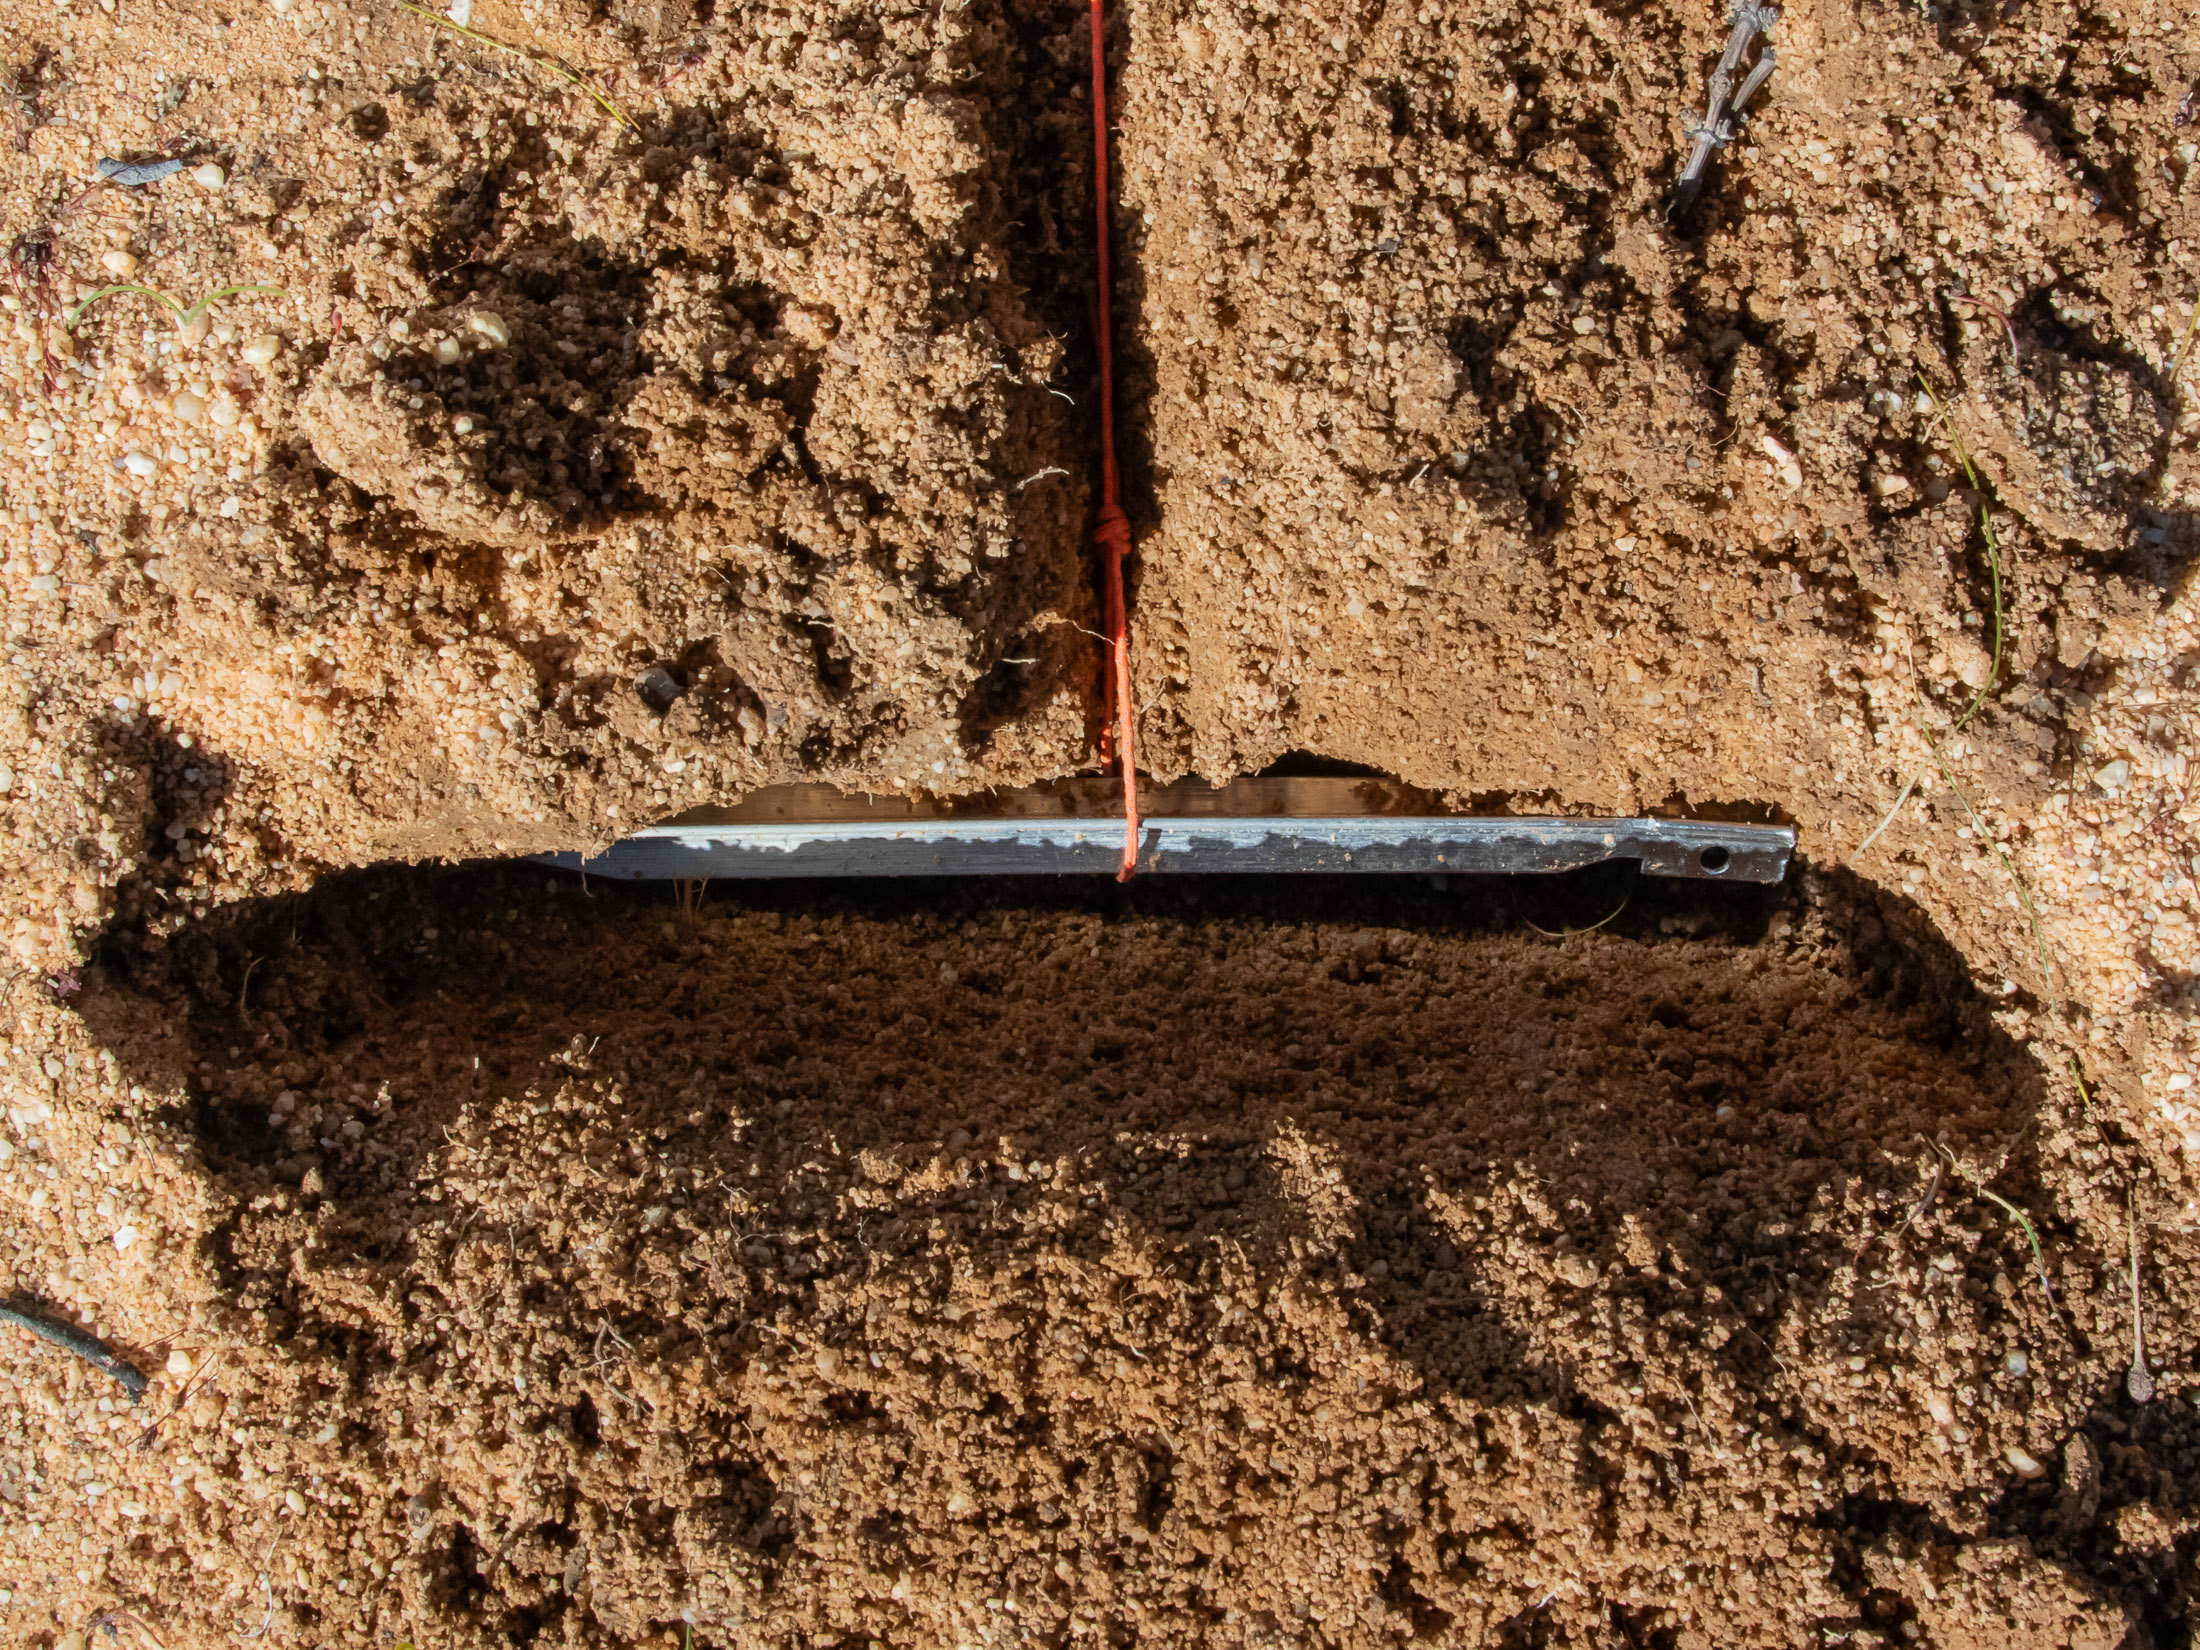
1273, 845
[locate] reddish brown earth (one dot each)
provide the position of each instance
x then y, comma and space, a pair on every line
965, 1267
1167, 1265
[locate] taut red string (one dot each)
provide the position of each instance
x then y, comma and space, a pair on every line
1114, 531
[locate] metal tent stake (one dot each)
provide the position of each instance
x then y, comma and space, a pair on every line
1270, 826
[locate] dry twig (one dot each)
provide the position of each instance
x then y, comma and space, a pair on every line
73, 1340
2138, 1381
1716, 129
1916, 1214
1998, 313
571, 76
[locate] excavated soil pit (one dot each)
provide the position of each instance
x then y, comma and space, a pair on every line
1328, 1261
1306, 1264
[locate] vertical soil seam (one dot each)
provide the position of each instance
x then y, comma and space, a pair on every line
1114, 531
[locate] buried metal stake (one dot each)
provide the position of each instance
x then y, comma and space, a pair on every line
1260, 826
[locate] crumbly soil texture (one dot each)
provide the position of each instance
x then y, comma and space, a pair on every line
523, 420
1185, 1265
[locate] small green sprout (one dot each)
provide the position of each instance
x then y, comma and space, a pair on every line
186, 317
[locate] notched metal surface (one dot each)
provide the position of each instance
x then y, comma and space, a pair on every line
1271, 826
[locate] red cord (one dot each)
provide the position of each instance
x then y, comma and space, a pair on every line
1114, 531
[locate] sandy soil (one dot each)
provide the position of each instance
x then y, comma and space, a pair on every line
760, 401
1362, 1267
1459, 447
1171, 1266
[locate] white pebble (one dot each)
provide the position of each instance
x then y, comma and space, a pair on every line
462, 12
2026, 1464
1942, 1412
293, 1501
7, 779
462, 425
2016, 1363
125, 1237
188, 407
179, 1362
140, 464
230, 506
262, 350
2113, 776
118, 263
223, 410
400, 327
447, 352
209, 177
490, 327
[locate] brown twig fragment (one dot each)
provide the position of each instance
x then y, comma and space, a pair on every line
1917, 1213
1998, 313
71, 1339
2138, 1380
565, 72
21, 93
30, 272
1717, 128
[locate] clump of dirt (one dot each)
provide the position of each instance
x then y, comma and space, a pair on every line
1346, 1264
750, 340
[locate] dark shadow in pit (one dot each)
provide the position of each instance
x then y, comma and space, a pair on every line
1314, 1080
